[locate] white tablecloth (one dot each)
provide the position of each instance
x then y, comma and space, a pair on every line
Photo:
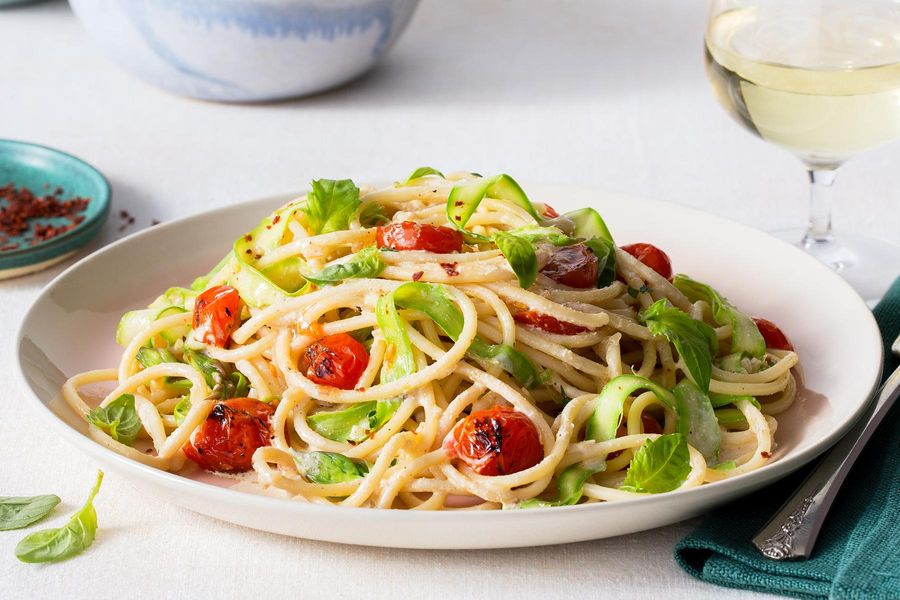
611, 94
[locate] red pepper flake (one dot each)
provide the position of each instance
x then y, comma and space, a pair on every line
766, 454
24, 212
450, 269
418, 275
276, 219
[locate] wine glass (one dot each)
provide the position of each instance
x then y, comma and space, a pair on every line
820, 78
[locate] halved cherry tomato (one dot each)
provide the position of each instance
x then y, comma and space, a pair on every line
419, 236
337, 360
548, 323
550, 212
651, 256
230, 435
773, 335
217, 313
496, 441
574, 266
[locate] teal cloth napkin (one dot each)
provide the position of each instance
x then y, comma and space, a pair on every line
858, 553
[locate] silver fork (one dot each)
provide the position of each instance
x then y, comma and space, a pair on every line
791, 534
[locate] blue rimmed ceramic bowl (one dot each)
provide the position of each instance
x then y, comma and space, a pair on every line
43, 170
245, 50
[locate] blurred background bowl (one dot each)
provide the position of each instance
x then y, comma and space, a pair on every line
245, 50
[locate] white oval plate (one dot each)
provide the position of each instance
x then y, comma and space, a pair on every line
72, 325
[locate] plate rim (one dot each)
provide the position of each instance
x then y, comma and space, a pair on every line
767, 474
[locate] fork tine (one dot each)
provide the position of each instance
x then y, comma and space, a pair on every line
895, 347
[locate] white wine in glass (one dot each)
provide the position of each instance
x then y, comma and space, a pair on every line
820, 78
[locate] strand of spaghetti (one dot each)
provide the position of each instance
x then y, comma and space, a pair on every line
257, 382
401, 475
245, 352
629, 267
760, 428
503, 315
541, 304
128, 360
280, 418
779, 403
415, 257
316, 246
750, 389
594, 296
781, 366
493, 269
376, 472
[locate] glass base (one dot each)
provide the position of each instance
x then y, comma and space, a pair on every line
869, 265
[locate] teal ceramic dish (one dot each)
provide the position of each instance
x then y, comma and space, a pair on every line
42, 170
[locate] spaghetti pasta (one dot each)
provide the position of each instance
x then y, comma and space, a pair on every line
444, 343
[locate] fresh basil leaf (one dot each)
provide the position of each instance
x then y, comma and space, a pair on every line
695, 341
570, 486
365, 263
609, 408
660, 465
465, 198
181, 410
510, 360
119, 419
19, 512
433, 300
423, 172
372, 214
330, 205
353, 424
605, 251
696, 419
589, 224
54, 545
745, 335
520, 255
328, 467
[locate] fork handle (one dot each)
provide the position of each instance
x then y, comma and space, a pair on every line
791, 534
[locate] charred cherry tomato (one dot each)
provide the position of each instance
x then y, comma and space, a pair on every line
773, 335
550, 212
574, 266
230, 435
217, 313
651, 256
496, 441
337, 360
548, 323
418, 236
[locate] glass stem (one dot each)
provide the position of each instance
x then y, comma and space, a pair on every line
821, 195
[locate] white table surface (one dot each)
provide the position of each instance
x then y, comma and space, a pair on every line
611, 94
